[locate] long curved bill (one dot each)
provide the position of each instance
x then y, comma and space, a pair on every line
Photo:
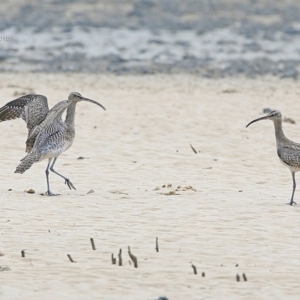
92, 101
259, 119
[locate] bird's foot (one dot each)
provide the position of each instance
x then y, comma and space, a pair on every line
49, 193
70, 184
292, 202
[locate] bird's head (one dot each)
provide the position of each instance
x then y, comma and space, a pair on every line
76, 97
273, 115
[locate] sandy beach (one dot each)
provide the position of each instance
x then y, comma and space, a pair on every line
223, 209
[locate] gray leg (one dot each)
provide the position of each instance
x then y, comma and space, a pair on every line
47, 177
294, 188
67, 181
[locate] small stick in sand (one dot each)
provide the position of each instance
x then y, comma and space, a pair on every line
23, 253
93, 244
113, 260
193, 149
237, 277
120, 257
71, 259
156, 247
133, 258
244, 276
195, 269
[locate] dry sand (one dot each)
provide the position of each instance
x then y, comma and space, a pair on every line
229, 215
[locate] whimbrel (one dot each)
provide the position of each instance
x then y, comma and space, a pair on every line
48, 135
287, 150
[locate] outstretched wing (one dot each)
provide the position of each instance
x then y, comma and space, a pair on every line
31, 108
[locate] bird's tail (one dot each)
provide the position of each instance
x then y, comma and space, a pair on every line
26, 163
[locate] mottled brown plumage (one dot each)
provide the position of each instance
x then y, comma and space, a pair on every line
287, 150
31, 108
48, 135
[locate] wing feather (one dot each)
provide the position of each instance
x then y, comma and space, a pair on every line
31, 108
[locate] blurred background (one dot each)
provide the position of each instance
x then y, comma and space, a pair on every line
212, 38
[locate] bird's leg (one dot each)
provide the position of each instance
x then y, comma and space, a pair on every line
294, 188
47, 176
67, 180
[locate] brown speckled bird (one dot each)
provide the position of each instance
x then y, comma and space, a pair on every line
287, 150
48, 135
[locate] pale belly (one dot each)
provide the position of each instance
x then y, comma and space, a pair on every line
292, 168
56, 151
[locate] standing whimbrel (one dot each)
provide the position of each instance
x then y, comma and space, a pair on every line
48, 135
287, 150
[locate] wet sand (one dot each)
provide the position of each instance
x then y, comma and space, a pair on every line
223, 209
213, 39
